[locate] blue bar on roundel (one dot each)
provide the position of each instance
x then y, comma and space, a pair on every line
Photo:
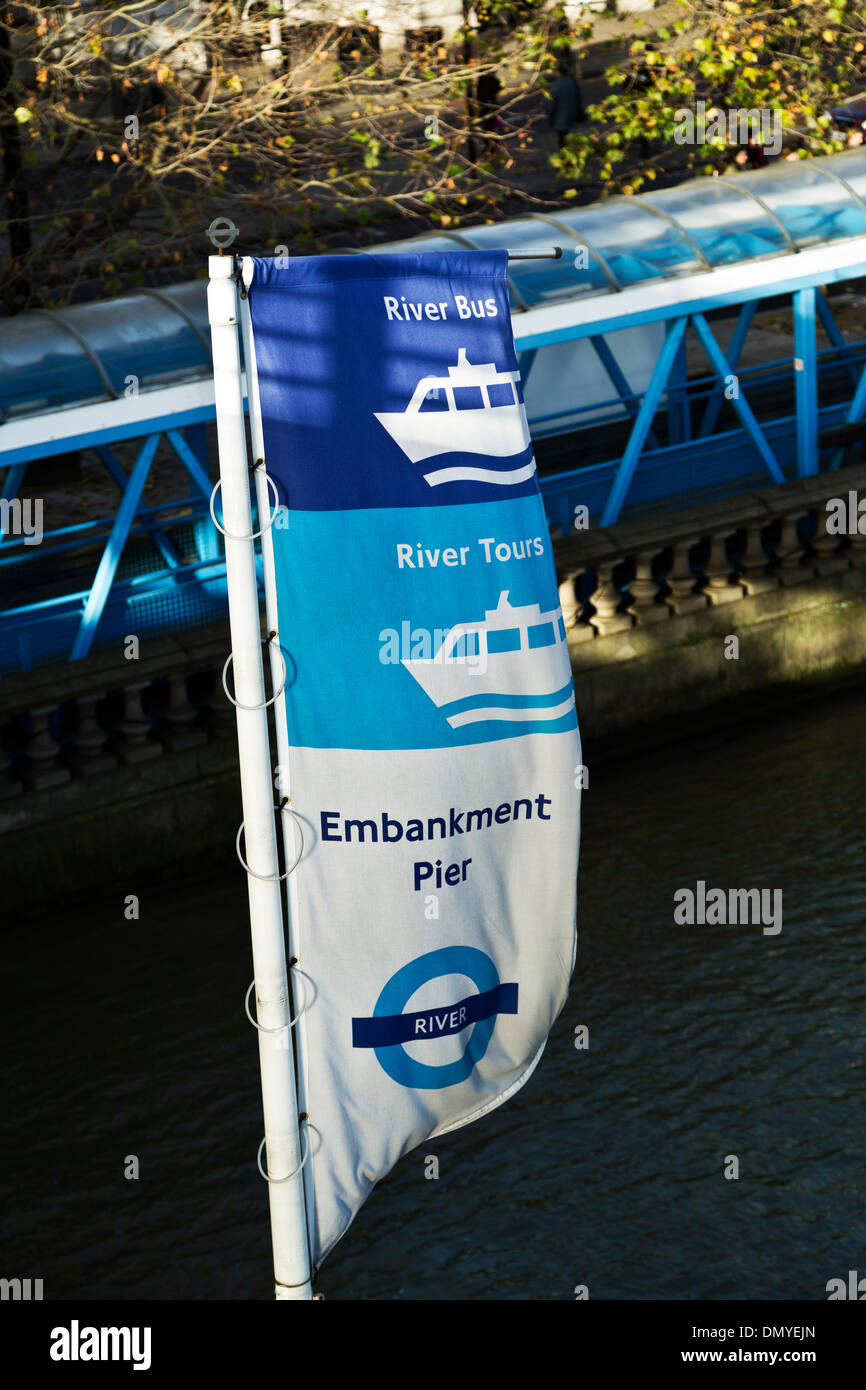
434, 1023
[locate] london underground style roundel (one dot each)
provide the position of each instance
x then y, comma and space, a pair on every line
391, 1025
431, 728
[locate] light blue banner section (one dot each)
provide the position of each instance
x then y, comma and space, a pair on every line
421, 627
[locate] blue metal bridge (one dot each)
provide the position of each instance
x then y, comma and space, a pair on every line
624, 421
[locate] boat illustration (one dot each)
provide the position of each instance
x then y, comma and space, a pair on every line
514, 667
458, 413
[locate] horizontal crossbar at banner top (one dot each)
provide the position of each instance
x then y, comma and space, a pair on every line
554, 254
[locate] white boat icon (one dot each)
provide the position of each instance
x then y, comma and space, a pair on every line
438, 421
513, 666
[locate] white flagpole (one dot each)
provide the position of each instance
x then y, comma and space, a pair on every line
291, 839
279, 1099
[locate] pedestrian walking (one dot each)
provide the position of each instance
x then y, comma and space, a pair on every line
752, 154
566, 103
487, 90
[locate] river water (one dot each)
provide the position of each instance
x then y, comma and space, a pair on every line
607, 1170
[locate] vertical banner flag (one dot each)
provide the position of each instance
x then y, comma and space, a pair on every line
434, 752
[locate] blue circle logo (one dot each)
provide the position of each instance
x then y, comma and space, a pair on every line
478, 1012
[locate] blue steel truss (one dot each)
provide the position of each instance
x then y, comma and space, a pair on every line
666, 266
181, 582
699, 459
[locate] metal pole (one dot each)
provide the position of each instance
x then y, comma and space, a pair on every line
806, 381
279, 1100
291, 843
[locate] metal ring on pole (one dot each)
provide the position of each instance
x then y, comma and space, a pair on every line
277, 693
270, 878
267, 1177
255, 534
261, 1027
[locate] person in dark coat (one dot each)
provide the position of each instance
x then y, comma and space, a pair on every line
642, 81
566, 108
487, 90
752, 154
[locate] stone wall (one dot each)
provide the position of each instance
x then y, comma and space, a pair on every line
115, 773
649, 605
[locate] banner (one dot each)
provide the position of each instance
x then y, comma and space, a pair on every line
429, 699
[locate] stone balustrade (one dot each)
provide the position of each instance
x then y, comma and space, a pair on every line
656, 569
62, 727
66, 724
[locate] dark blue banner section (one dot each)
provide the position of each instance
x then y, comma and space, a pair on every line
434, 1023
389, 381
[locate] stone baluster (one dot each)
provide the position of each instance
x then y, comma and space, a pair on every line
180, 714
92, 755
606, 600
222, 719
9, 785
645, 592
753, 565
571, 608
684, 596
829, 557
137, 745
718, 571
790, 553
568, 600
43, 768
857, 552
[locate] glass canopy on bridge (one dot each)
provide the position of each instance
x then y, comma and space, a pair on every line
696, 226
52, 359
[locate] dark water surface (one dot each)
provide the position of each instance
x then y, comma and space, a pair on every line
607, 1169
